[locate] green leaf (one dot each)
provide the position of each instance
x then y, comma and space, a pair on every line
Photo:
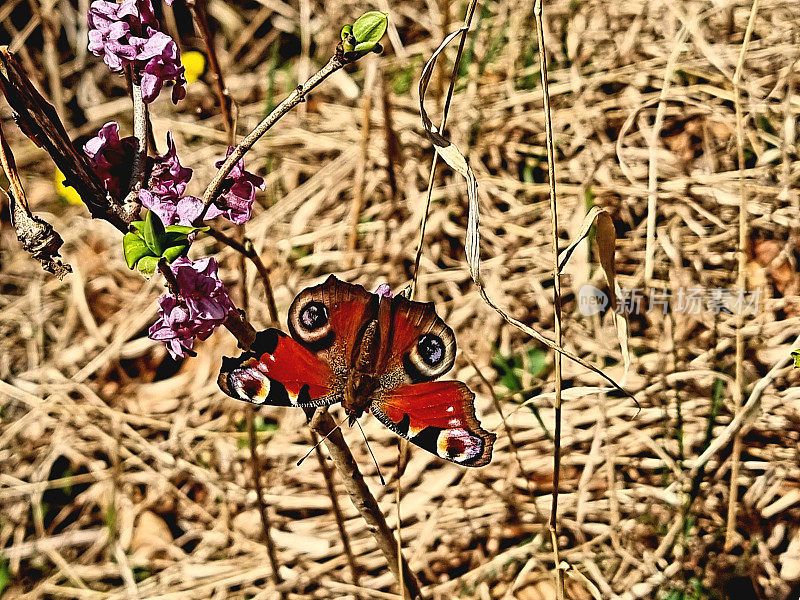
537, 362
138, 225
5, 574
346, 31
184, 229
153, 233
368, 30
134, 249
147, 264
796, 357
174, 252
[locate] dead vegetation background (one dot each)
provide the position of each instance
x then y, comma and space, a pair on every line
124, 474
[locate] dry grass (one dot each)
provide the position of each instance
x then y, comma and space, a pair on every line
125, 475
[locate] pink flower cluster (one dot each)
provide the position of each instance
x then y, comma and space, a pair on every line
202, 305
127, 34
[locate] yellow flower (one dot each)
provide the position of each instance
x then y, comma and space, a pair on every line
194, 63
67, 193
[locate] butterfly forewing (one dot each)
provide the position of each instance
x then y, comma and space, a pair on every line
278, 371
329, 319
418, 345
438, 416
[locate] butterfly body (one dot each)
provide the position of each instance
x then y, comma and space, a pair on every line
372, 354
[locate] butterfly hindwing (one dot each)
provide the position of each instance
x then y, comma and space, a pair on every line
278, 371
439, 417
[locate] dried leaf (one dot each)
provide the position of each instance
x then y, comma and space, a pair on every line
40, 122
453, 157
35, 235
606, 237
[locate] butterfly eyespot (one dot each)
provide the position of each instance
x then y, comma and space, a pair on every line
432, 356
309, 322
431, 349
313, 316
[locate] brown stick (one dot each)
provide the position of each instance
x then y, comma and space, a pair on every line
738, 393
337, 509
366, 504
262, 505
246, 249
295, 98
226, 104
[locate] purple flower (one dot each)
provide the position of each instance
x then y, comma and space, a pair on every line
162, 63
236, 202
111, 157
201, 305
127, 34
383, 290
166, 186
167, 175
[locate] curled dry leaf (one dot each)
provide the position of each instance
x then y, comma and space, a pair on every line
453, 157
35, 235
606, 237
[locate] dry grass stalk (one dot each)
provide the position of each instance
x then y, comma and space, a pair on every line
741, 282
551, 175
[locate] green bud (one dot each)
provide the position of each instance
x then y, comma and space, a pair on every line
134, 248
368, 29
148, 264
153, 233
796, 356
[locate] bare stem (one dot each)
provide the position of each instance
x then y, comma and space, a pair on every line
366, 504
140, 126
226, 104
246, 249
262, 505
435, 161
738, 392
337, 509
551, 172
295, 98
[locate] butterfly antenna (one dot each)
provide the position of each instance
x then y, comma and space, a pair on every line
314, 447
383, 481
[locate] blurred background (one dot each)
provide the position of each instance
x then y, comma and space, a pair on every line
126, 474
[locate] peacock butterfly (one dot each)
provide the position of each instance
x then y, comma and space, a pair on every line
371, 353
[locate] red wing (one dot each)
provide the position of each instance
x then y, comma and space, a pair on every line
419, 346
278, 371
329, 320
439, 417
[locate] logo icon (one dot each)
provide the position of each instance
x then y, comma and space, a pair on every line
591, 301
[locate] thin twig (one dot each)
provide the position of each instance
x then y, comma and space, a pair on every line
226, 104
262, 505
551, 173
337, 509
738, 392
140, 127
246, 249
296, 97
435, 160
366, 504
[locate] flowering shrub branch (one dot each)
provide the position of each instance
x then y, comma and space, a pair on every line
115, 178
